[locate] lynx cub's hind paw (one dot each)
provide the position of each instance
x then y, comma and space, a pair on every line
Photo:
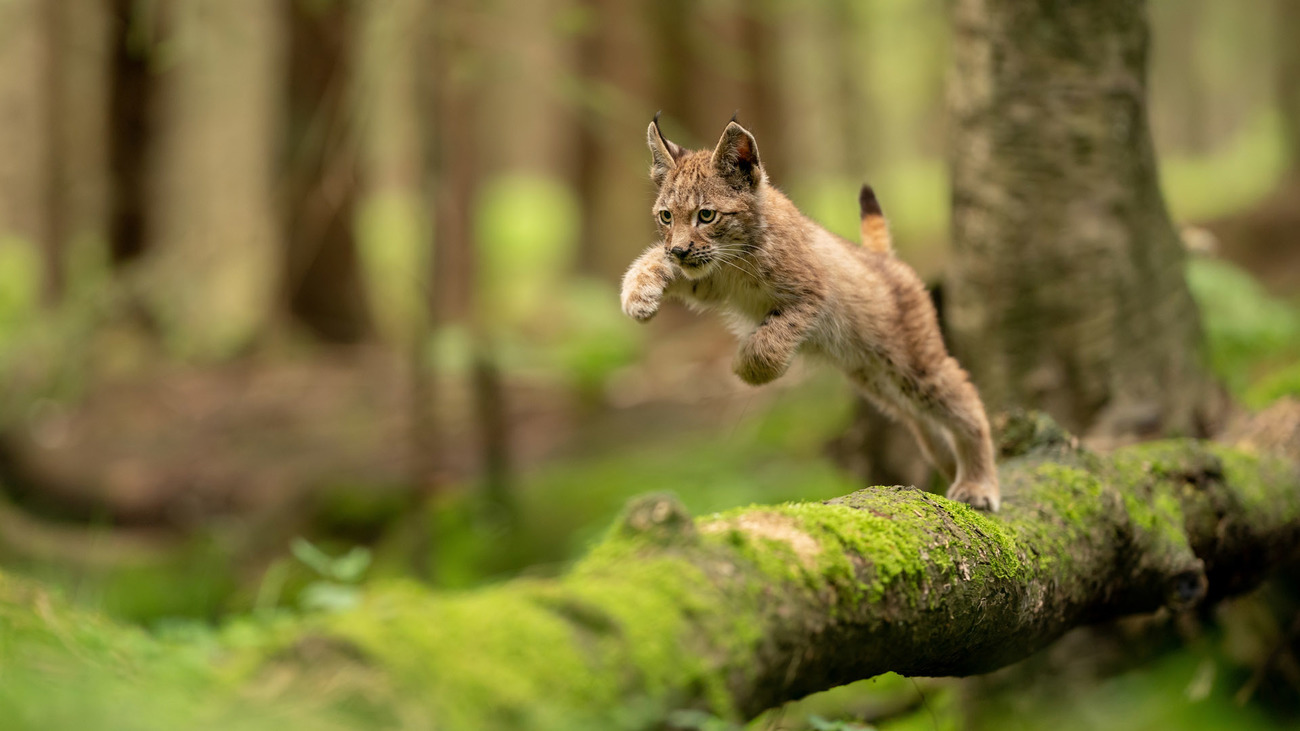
978, 495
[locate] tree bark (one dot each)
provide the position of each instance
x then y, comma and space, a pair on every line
1066, 288
741, 611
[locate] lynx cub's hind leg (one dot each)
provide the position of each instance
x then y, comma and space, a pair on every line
962, 412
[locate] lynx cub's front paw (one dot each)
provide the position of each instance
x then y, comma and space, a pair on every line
641, 301
643, 287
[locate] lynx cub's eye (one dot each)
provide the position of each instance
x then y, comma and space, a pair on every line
665, 217
707, 215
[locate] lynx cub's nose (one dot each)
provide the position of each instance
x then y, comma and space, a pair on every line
679, 252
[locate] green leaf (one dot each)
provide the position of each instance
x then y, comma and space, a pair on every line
315, 559
349, 567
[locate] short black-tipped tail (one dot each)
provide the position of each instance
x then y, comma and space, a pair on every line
875, 230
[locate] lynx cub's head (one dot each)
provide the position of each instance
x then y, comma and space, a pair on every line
708, 207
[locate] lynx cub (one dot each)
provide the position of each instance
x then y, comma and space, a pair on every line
733, 242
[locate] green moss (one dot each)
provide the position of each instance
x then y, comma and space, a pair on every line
776, 562
1187, 464
1054, 508
879, 541
1255, 481
510, 651
69, 669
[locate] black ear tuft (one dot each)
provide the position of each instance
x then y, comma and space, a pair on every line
736, 158
735, 114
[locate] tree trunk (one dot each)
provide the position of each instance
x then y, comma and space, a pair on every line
323, 284
591, 151
133, 124
850, 101
1066, 291
212, 263
56, 165
1182, 113
761, 41
610, 55
455, 137
456, 181
23, 129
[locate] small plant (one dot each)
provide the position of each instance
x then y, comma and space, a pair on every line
336, 588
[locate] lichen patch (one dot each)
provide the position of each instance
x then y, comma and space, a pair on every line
773, 527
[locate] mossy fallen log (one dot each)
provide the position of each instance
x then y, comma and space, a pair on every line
737, 612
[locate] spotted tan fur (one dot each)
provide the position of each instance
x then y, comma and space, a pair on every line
787, 286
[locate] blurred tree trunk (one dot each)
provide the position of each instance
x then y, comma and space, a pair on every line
1288, 79
323, 283
852, 103
212, 260
426, 454
392, 223
812, 142
695, 51
613, 75
1180, 109
761, 40
133, 111
54, 69
457, 138
523, 59
1066, 290
23, 128
591, 151
672, 57
56, 166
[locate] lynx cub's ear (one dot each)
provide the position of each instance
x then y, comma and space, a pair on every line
665, 154
736, 158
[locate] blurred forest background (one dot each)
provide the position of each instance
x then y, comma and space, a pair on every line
298, 294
